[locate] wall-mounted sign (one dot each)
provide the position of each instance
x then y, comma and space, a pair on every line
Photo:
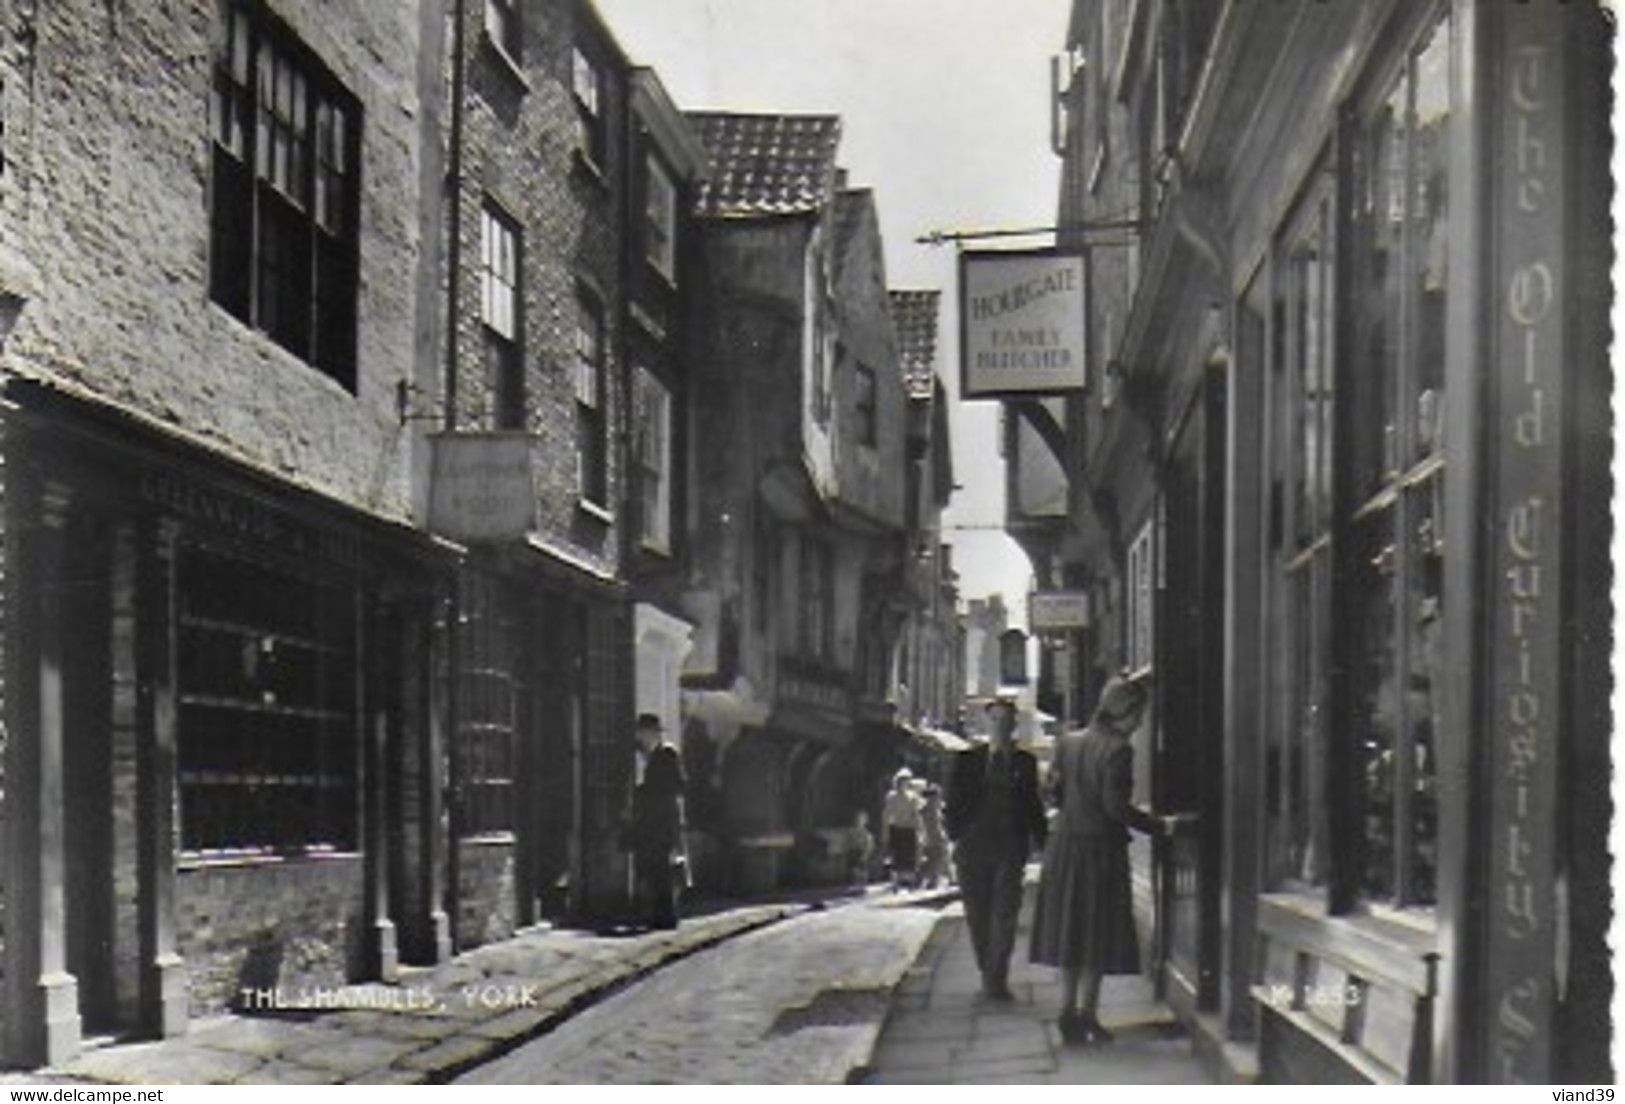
1058, 610
480, 488
1021, 323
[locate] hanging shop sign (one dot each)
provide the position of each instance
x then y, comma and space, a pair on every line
480, 487
1021, 323
1058, 610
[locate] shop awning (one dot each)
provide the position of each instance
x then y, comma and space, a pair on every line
941, 739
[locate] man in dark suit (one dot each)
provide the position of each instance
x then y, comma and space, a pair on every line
657, 823
995, 818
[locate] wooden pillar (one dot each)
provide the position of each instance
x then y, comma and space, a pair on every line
42, 999
379, 715
434, 747
1245, 660
163, 1002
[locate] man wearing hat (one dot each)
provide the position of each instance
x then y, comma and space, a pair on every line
657, 823
995, 818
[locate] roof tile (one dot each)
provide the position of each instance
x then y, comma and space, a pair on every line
766, 164
915, 315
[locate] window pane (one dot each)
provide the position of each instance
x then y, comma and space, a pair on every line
1306, 771
1401, 259
586, 81
499, 275
265, 749
1431, 155
660, 220
283, 251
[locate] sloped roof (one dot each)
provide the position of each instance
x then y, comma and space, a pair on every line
914, 312
853, 209
766, 164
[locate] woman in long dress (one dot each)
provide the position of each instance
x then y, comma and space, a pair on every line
1083, 922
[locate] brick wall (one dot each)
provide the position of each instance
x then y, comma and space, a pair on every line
521, 151
289, 924
486, 901
110, 206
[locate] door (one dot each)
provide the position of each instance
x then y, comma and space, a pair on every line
1190, 761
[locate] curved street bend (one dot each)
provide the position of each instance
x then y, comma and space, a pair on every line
884, 992
878, 989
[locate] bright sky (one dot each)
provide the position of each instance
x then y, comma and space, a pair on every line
944, 107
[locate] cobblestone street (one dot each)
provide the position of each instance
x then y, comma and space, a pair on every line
800, 1002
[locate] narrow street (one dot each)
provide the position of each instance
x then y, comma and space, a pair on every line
879, 992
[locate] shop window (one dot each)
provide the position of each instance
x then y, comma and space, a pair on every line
1369, 558
266, 731
490, 703
592, 460
866, 418
1399, 288
660, 220
652, 446
285, 191
1301, 399
587, 80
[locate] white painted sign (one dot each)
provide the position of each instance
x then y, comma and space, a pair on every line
1021, 321
481, 487
1058, 609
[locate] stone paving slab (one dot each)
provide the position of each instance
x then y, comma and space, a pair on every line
951, 1034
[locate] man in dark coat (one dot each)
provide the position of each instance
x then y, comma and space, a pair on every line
995, 818
657, 823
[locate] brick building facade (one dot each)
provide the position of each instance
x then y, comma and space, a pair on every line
217, 604
359, 488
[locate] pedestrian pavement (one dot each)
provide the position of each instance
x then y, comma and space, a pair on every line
943, 1031
432, 1025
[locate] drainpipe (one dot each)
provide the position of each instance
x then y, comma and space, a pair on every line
454, 616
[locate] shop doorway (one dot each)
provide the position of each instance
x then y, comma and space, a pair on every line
1190, 763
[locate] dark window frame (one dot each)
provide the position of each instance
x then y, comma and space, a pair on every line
660, 218
592, 398
285, 191
493, 700
504, 336
587, 85
653, 435
268, 705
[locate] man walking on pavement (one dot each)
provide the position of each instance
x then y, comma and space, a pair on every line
995, 818
656, 831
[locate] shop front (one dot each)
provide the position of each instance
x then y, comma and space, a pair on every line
1416, 354
217, 694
